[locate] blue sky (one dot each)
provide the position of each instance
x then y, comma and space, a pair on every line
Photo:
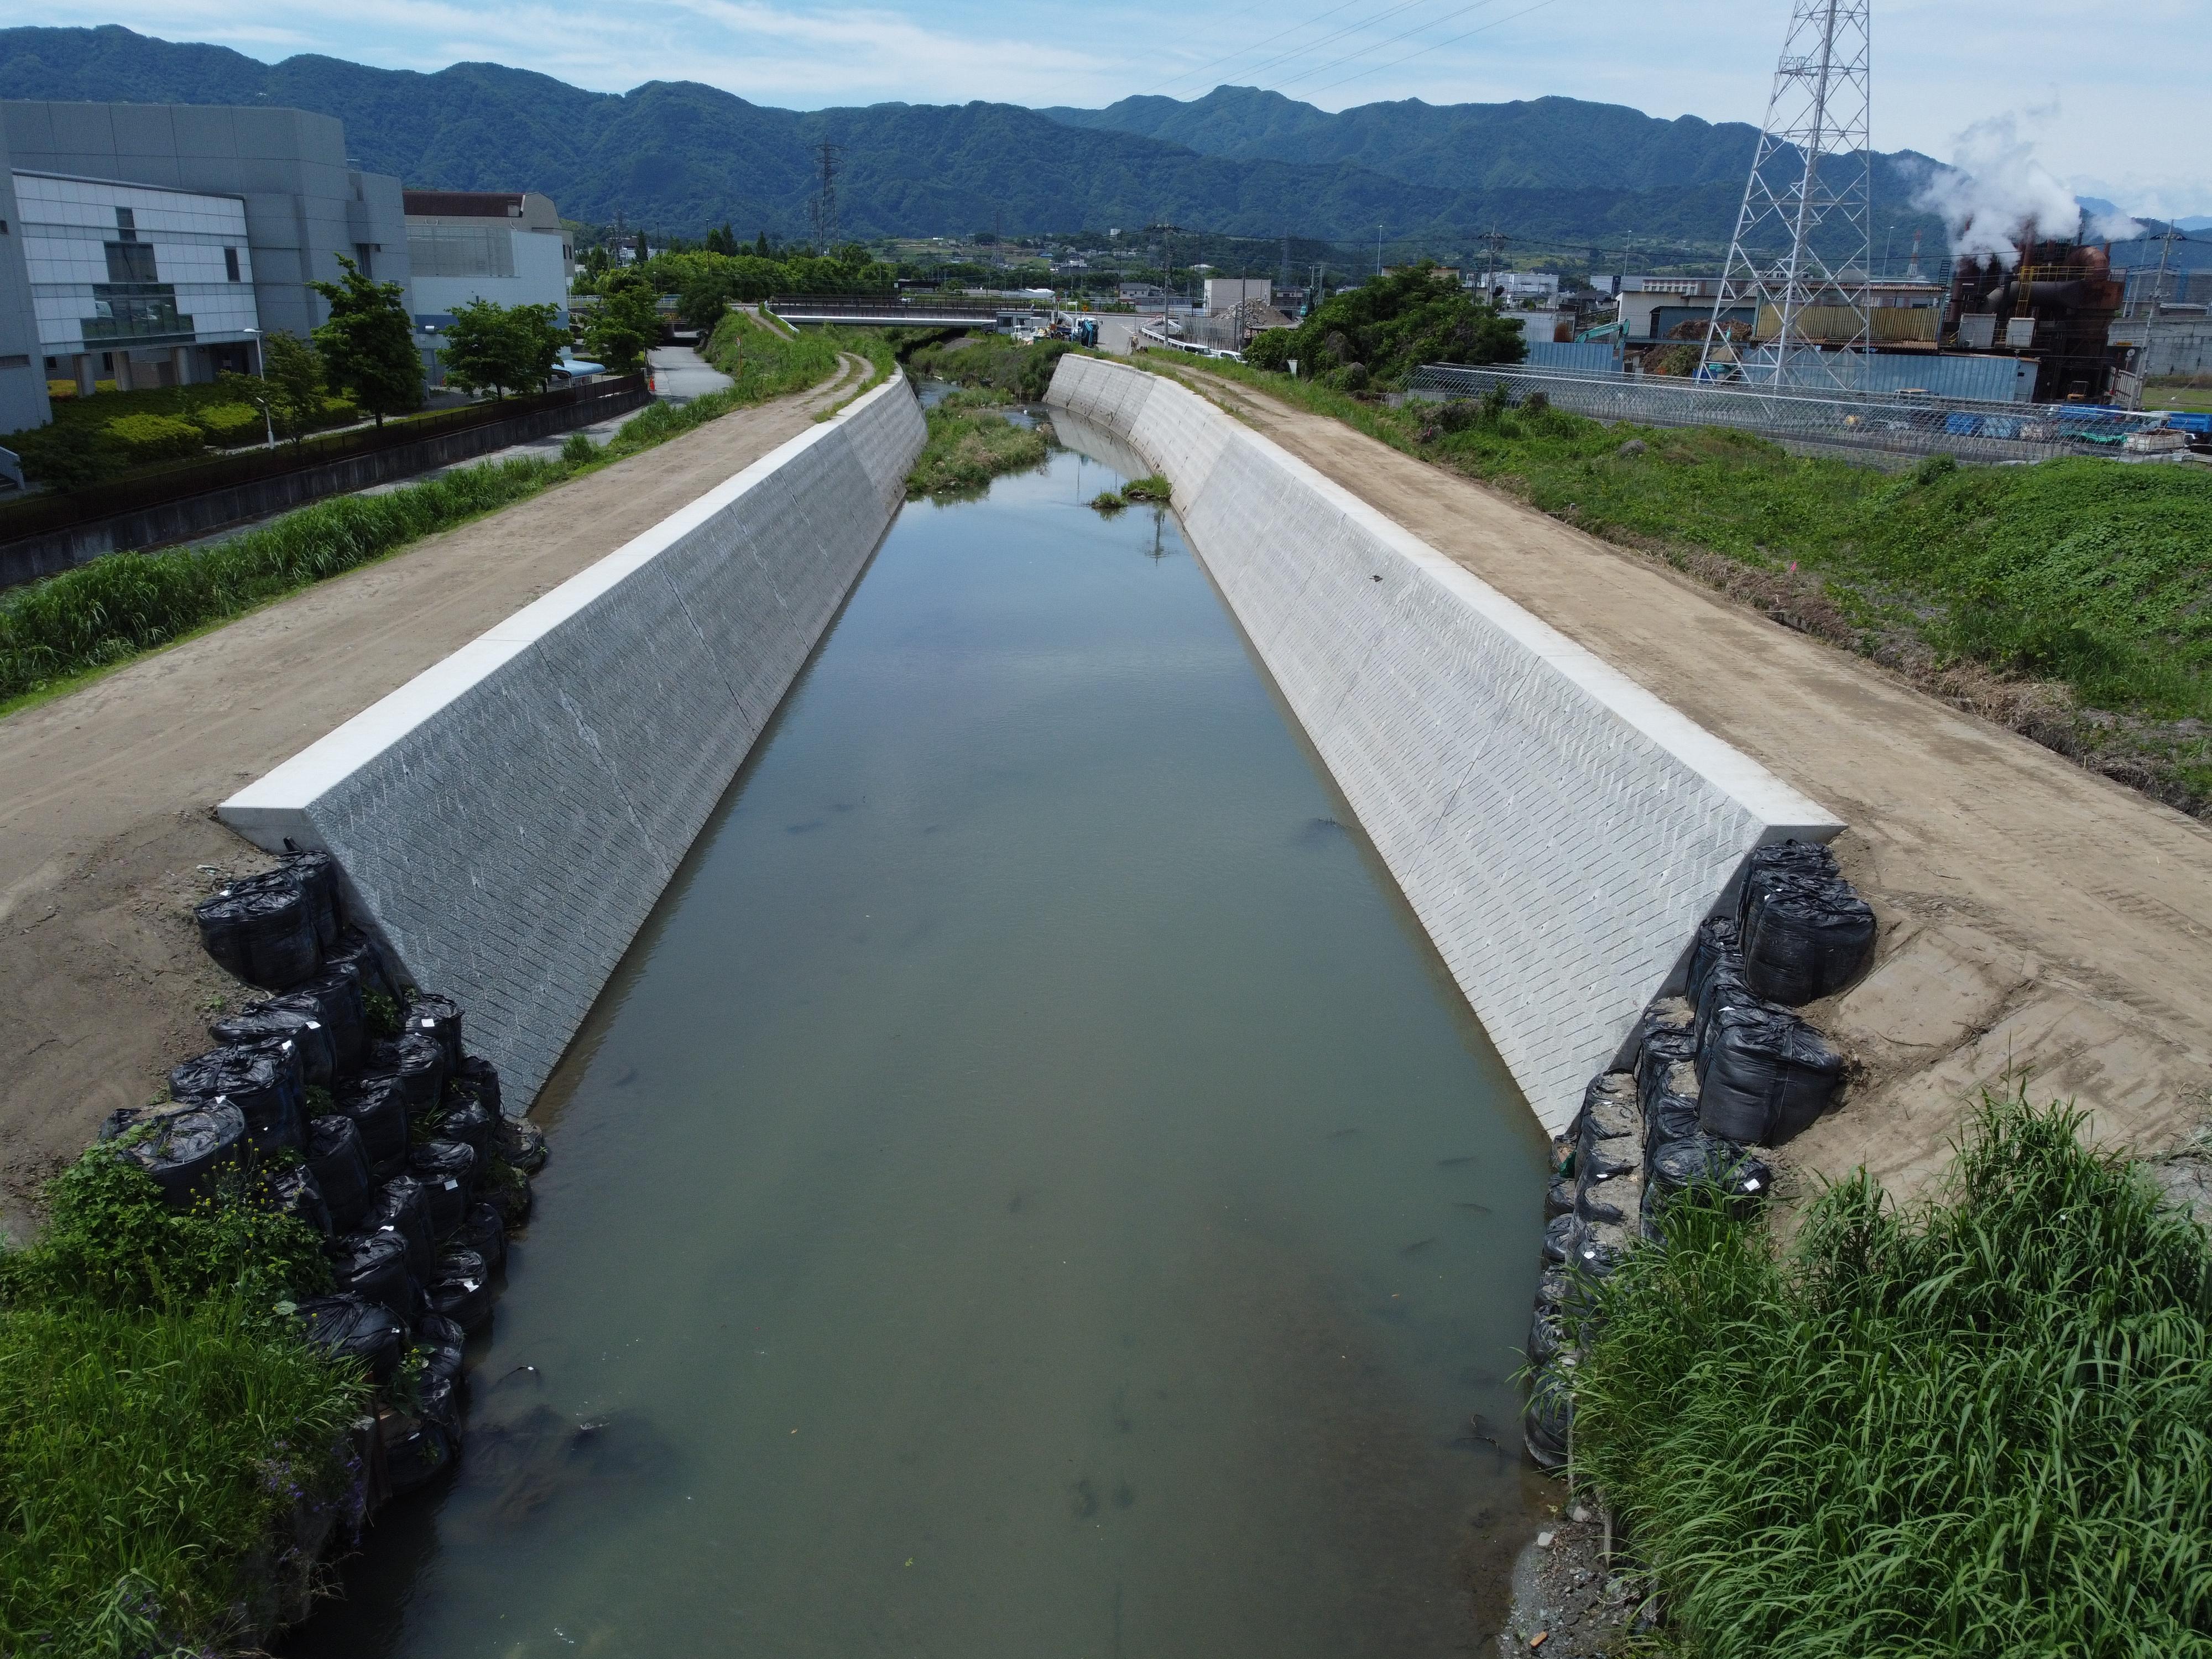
2103, 94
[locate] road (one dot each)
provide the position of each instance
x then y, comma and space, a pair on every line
107, 795
2034, 917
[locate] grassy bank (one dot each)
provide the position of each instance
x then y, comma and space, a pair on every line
2071, 599
163, 1430
764, 363
971, 442
55, 633
992, 362
1977, 1428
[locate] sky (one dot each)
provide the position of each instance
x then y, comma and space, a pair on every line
2100, 94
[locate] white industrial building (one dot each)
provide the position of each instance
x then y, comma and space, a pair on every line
507, 246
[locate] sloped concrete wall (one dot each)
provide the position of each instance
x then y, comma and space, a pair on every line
1560, 831
507, 819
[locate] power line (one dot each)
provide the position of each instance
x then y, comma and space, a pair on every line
1438, 47
1254, 46
1437, 22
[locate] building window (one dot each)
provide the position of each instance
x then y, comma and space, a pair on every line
131, 262
230, 262
360, 252
127, 224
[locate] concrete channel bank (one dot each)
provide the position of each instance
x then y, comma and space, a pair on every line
1560, 831
507, 819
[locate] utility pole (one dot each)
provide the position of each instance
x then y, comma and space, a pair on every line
1378, 250
1164, 231
2158, 285
1493, 244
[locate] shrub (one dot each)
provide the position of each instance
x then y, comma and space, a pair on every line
144, 438
68, 455
229, 424
1981, 1427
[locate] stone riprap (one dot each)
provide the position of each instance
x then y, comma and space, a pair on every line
1560, 831
507, 819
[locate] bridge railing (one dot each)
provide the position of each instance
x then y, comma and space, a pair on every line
889, 304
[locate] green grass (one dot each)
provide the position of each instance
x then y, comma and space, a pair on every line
1978, 1428
55, 633
970, 442
992, 362
764, 363
161, 1425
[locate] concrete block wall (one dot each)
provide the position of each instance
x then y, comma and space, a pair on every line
507, 819
1560, 831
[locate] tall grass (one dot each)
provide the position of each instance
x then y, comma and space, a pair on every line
970, 442
163, 1428
764, 363
1981, 1427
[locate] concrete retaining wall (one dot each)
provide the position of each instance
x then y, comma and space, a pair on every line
507, 819
1560, 831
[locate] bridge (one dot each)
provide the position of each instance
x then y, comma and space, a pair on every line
890, 310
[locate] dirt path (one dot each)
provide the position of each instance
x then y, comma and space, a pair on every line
106, 835
2033, 917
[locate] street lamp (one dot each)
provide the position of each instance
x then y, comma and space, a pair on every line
261, 368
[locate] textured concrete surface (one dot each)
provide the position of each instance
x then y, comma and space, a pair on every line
509, 816
1558, 831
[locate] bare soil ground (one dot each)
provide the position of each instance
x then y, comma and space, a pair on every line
107, 835
2037, 921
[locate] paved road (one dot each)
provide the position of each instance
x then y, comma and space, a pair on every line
106, 795
2033, 916
679, 374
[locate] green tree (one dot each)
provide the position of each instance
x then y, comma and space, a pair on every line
290, 389
368, 346
502, 349
761, 250
625, 323
1388, 326
704, 298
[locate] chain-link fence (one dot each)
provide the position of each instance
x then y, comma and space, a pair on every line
1906, 423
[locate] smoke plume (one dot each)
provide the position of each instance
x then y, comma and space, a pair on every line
1994, 189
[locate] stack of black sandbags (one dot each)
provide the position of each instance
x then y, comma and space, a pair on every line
350, 1099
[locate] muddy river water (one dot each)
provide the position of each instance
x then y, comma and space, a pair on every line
1029, 1191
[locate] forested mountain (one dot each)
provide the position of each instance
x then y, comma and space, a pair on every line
680, 156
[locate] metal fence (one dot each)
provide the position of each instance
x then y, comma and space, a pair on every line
1889, 422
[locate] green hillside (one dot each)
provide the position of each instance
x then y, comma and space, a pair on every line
680, 157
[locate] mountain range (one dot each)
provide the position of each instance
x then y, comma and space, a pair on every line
1557, 174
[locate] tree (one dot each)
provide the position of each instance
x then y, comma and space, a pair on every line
761, 247
704, 297
502, 348
625, 323
368, 346
721, 241
1388, 326
290, 387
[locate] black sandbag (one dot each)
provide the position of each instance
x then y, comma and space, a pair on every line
460, 1287
1613, 1130
1548, 1335
1724, 987
356, 954
483, 1231
1619, 1199
481, 1075
264, 1080
519, 1141
442, 1343
1548, 1423
402, 1207
1763, 1074
1559, 1197
1668, 1032
378, 1106
447, 1171
262, 929
281, 1019
469, 1122
1558, 1234
1805, 938
416, 1451
318, 876
295, 1192
353, 1328
418, 1060
335, 997
439, 1016
1741, 1178
1552, 1288
1595, 1248
1786, 860
184, 1148
440, 1401
340, 1161
510, 1195
1716, 943
373, 1266
1670, 1108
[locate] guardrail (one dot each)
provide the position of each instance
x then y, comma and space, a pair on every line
921, 307
43, 515
1895, 422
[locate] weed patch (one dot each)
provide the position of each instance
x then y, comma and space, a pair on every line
971, 442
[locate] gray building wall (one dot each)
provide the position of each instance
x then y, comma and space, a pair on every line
22, 373
304, 205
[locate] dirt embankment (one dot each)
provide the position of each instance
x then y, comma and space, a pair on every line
107, 795
2036, 921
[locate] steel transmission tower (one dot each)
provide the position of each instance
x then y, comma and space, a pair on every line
1810, 200
825, 197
